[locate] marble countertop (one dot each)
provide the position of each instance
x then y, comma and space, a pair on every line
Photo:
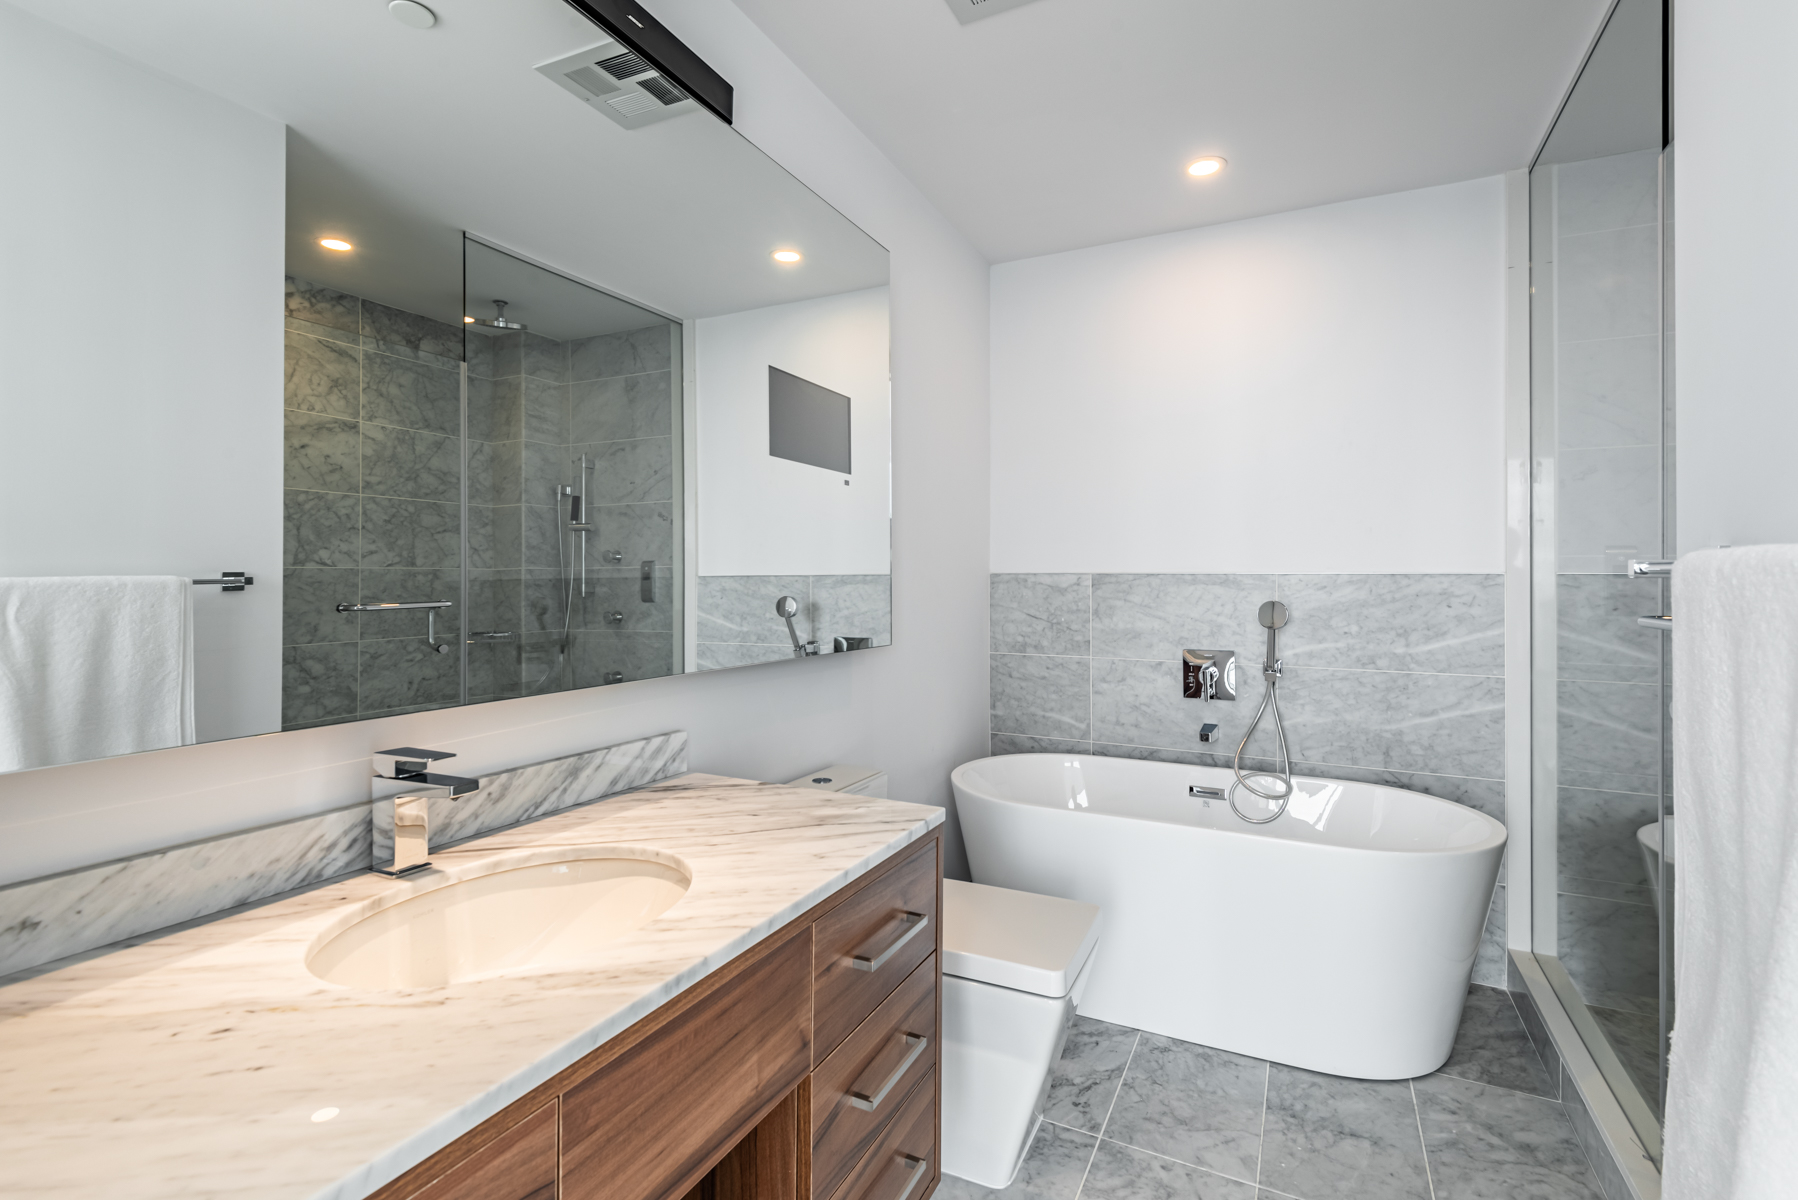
191, 1064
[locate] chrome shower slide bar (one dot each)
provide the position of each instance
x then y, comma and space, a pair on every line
394, 607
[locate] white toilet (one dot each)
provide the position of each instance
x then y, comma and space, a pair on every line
1014, 966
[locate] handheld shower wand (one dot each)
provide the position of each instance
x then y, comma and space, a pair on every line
787, 608
1272, 617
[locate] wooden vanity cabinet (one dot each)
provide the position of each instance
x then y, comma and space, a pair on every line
804, 1069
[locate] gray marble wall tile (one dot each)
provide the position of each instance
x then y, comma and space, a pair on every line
1596, 632
1607, 506
1453, 623
496, 409
612, 590
321, 376
495, 600
1225, 757
1347, 1139
633, 352
638, 531
496, 474
414, 395
321, 529
1192, 1103
547, 604
410, 533
1611, 951
1441, 724
505, 355
1487, 795
309, 599
740, 608
495, 537
544, 544
318, 682
1614, 192
322, 454
1158, 616
322, 306
635, 406
477, 348
1122, 1173
1491, 963
1041, 614
495, 671
406, 673
399, 331
635, 472
636, 655
405, 585
852, 606
1037, 694
410, 464
1138, 702
1609, 736
1492, 1046
716, 656
1608, 393
1023, 743
543, 358
1489, 1142
546, 663
1607, 284
544, 410
1597, 835
1085, 1080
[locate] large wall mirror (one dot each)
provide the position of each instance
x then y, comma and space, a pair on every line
498, 364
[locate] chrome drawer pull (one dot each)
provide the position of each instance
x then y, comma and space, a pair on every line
919, 1168
868, 1103
862, 960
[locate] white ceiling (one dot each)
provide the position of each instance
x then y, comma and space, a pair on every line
1068, 123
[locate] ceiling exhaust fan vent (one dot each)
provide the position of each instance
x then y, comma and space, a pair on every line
603, 77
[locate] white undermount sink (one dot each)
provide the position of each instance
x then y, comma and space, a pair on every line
520, 917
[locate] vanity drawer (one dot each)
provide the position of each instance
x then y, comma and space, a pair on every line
870, 942
903, 1163
862, 1084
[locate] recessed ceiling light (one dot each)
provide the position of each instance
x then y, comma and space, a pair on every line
1205, 166
410, 12
335, 244
787, 256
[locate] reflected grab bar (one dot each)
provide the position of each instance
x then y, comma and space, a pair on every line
394, 607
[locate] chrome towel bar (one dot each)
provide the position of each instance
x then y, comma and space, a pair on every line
394, 607
229, 581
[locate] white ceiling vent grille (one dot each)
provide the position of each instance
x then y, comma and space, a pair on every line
620, 83
973, 10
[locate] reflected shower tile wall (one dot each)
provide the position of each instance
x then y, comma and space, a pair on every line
738, 625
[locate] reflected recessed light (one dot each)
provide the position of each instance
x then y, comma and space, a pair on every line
335, 244
411, 12
1205, 166
787, 256
468, 320
323, 1114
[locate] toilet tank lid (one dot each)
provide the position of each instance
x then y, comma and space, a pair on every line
1016, 939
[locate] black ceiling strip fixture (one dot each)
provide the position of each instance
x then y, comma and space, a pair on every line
633, 27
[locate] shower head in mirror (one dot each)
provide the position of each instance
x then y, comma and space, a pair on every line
498, 320
786, 607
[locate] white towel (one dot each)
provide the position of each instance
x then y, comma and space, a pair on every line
1732, 1096
94, 665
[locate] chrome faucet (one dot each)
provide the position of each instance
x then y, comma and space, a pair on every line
402, 823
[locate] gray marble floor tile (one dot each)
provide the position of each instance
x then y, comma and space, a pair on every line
1608, 284
1037, 694
642, 655
404, 585
1041, 614
633, 352
634, 472
637, 531
1438, 724
411, 465
716, 656
410, 394
1492, 963
543, 358
1614, 192
321, 376
1085, 1080
402, 332
318, 683
1490, 1143
1193, 1103
740, 608
1139, 703
1609, 736
410, 533
1596, 634
320, 529
322, 454
1341, 1139
1634, 1036
1611, 951
1492, 1047
1608, 393
1450, 623
1022, 743
1608, 503
1598, 1156
545, 410
1158, 616
406, 673
1597, 832
1538, 1032
309, 599
323, 306
1052, 1170
852, 606
1124, 1173
633, 406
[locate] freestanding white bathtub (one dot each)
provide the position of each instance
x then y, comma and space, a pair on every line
1339, 938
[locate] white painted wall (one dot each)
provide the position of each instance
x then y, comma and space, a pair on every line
1735, 186
916, 709
761, 515
1315, 391
144, 439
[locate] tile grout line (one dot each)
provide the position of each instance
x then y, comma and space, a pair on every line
1099, 1138
1267, 1087
1429, 1176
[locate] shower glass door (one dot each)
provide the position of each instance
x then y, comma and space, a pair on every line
1603, 494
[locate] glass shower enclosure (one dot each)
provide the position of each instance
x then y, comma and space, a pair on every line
1603, 492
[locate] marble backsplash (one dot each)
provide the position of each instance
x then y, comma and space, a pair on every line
42, 920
